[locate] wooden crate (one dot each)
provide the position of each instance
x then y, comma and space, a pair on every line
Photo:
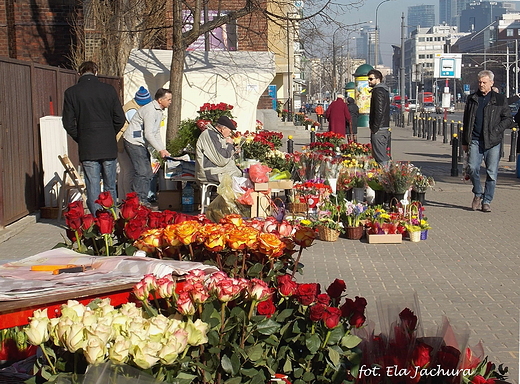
385, 239
49, 212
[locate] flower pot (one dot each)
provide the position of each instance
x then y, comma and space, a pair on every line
348, 194
370, 195
395, 198
354, 233
333, 183
418, 196
327, 234
424, 234
359, 194
415, 236
379, 198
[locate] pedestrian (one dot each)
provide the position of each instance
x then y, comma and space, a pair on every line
319, 113
379, 117
354, 114
92, 116
126, 170
337, 115
486, 117
143, 131
215, 153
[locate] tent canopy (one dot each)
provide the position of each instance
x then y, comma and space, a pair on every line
236, 78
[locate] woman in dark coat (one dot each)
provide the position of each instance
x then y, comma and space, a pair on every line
354, 114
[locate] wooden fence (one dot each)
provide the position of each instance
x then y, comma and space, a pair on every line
29, 91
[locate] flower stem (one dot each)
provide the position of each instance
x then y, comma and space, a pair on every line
327, 337
53, 368
295, 268
107, 249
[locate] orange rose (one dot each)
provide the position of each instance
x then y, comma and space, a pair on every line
150, 240
170, 235
304, 236
216, 241
242, 237
187, 231
206, 230
234, 219
270, 245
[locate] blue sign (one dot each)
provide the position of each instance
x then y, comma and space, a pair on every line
466, 89
447, 67
272, 94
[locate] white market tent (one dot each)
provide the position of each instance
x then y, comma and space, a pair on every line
236, 78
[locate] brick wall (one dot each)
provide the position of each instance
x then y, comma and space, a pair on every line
36, 30
251, 29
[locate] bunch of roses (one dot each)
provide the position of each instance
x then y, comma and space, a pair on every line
422, 358
330, 137
97, 235
212, 112
99, 332
312, 187
255, 328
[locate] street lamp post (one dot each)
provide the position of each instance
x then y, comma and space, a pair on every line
376, 37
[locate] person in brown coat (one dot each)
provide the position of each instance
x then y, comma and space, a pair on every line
338, 115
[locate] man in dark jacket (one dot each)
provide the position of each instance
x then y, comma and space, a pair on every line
486, 117
92, 116
379, 117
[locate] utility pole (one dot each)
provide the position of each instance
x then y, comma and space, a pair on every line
402, 72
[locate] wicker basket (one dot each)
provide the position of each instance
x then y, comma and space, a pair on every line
298, 207
327, 234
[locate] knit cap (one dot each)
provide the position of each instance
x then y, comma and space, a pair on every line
142, 96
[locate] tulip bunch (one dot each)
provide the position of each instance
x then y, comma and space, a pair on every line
99, 333
256, 328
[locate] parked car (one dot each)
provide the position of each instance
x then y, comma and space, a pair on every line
439, 109
428, 107
412, 105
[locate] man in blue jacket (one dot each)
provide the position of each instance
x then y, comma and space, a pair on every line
486, 117
92, 116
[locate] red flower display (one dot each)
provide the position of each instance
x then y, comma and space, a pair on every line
336, 289
105, 222
105, 200
307, 293
266, 308
331, 317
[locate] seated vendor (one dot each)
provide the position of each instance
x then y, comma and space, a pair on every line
216, 153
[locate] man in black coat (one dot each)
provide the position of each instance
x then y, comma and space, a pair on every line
92, 116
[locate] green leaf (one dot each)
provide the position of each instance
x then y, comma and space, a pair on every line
287, 367
308, 376
259, 378
234, 380
334, 357
313, 343
298, 372
336, 335
255, 353
226, 364
235, 364
255, 270
350, 341
284, 315
249, 372
268, 327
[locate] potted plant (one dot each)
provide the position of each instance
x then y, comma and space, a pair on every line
420, 185
329, 224
353, 215
397, 178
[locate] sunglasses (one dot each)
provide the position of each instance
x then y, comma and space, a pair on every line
371, 78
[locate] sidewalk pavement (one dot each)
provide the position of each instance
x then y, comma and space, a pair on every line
467, 270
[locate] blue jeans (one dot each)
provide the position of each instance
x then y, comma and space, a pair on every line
95, 171
491, 158
143, 170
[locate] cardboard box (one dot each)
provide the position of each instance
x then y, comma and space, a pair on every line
261, 186
261, 206
170, 200
385, 239
281, 184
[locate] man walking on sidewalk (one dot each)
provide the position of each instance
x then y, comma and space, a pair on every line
486, 117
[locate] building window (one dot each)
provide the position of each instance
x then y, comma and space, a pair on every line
421, 56
510, 32
421, 39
